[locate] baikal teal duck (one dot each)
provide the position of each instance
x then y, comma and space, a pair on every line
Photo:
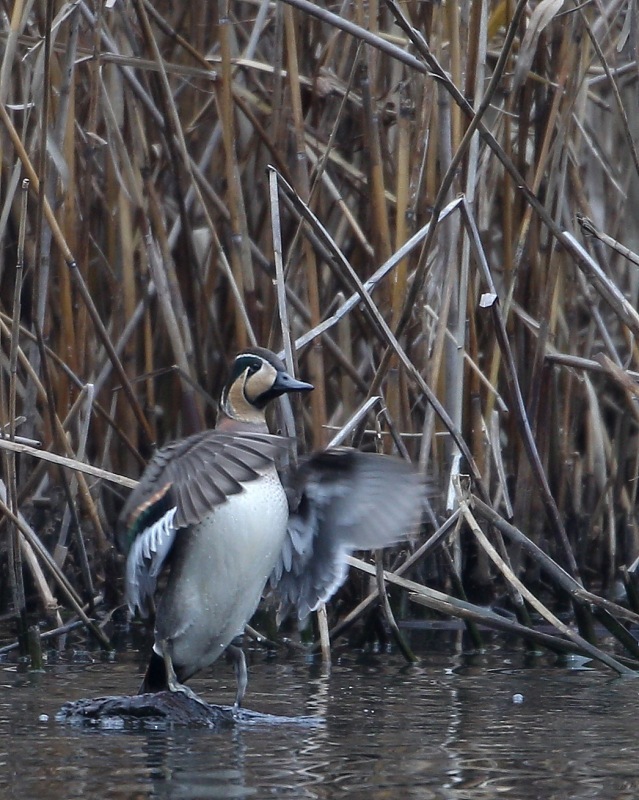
214, 512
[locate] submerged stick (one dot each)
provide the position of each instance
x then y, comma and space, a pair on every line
451, 606
399, 637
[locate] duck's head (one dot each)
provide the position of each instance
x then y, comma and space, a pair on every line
257, 376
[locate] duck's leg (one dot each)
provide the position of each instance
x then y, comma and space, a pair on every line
236, 654
173, 684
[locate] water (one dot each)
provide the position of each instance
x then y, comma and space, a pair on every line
454, 727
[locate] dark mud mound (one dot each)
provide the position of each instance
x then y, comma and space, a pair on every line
164, 710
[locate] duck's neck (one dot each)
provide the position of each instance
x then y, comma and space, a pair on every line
237, 413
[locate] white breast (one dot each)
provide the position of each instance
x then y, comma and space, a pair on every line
217, 583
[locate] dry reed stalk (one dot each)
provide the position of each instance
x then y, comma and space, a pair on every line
280, 280
559, 577
396, 388
19, 19
402, 192
396, 633
72, 330
72, 265
240, 256
475, 69
315, 359
345, 338
380, 223
64, 461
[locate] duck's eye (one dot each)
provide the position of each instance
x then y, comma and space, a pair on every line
253, 368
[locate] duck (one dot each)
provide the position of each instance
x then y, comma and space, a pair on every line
216, 517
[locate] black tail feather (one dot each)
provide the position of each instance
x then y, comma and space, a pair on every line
155, 679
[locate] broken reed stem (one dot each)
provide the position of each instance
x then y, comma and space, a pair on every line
324, 636
541, 609
590, 229
71, 463
59, 630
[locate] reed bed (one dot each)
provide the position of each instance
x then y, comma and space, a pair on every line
427, 208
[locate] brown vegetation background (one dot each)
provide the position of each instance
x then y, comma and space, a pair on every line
423, 166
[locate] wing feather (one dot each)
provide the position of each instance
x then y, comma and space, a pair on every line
342, 500
183, 482
146, 557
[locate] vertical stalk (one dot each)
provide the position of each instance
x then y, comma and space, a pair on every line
456, 68
240, 253
72, 342
345, 341
379, 223
15, 555
19, 15
43, 236
315, 360
395, 389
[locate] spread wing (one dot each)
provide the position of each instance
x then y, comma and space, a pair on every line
341, 500
182, 483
